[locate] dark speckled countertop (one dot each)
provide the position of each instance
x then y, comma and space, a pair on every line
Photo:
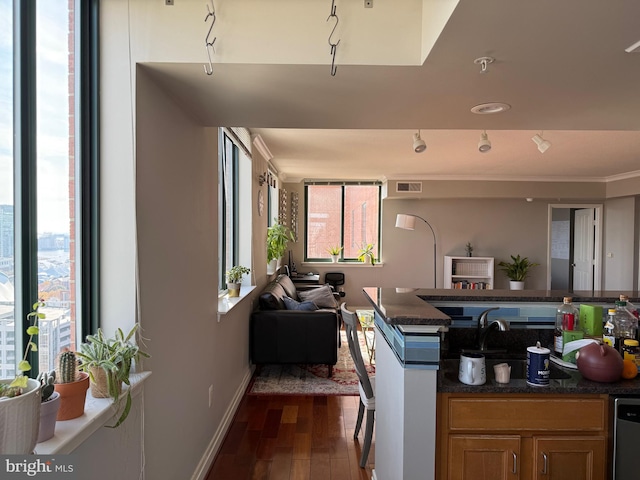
402, 306
572, 383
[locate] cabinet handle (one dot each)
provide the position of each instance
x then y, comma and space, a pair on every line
544, 465
515, 463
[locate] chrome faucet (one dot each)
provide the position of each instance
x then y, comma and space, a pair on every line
484, 327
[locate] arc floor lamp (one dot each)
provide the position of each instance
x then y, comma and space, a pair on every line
407, 221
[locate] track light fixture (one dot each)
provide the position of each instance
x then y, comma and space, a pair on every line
542, 144
418, 144
484, 145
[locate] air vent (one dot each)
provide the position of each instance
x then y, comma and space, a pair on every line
409, 187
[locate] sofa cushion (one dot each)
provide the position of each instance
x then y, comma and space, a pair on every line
292, 304
288, 286
271, 297
321, 296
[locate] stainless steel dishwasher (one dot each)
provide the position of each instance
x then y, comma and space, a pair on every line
626, 432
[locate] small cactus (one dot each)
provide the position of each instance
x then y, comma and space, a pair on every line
67, 366
47, 379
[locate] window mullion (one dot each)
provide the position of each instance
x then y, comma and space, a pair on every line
25, 180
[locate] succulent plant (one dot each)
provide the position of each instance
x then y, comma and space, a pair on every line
67, 366
47, 379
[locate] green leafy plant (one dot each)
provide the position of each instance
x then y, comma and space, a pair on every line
234, 274
366, 252
114, 356
334, 250
518, 269
278, 236
20, 382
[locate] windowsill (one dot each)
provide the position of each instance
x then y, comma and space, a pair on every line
97, 412
226, 303
343, 264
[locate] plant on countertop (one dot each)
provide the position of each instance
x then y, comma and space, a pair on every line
334, 250
114, 356
234, 274
366, 252
16, 387
517, 270
278, 236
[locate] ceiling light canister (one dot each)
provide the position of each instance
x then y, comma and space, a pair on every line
419, 145
542, 144
484, 145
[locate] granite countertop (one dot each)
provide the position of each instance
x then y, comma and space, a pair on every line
555, 296
574, 383
402, 306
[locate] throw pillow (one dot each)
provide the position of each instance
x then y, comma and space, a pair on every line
292, 304
321, 296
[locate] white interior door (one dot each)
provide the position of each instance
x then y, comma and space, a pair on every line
583, 249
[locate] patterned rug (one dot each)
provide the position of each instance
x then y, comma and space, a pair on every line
312, 379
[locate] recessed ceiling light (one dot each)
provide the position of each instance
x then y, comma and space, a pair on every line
491, 107
633, 48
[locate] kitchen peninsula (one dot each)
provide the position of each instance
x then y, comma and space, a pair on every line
410, 326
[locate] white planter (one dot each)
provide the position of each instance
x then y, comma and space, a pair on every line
234, 289
516, 285
20, 420
273, 266
335, 258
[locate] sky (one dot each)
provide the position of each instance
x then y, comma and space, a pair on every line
52, 108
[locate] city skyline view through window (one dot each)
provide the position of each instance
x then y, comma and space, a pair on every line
55, 113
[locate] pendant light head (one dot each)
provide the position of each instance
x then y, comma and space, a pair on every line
542, 144
418, 144
484, 145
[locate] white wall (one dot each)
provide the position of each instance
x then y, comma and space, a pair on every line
619, 257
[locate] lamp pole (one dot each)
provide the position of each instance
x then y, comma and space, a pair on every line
400, 224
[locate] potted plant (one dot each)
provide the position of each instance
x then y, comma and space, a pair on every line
234, 279
108, 362
517, 270
366, 252
71, 384
278, 236
469, 249
20, 400
50, 404
335, 251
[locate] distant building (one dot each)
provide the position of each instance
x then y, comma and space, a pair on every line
6, 231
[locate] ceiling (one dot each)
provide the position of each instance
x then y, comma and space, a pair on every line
562, 67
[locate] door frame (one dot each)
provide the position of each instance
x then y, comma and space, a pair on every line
597, 243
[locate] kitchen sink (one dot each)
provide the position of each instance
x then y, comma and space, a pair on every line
518, 369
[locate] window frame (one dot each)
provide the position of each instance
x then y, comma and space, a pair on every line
87, 193
343, 186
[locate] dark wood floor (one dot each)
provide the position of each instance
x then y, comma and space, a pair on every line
293, 437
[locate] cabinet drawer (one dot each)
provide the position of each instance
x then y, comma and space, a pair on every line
543, 413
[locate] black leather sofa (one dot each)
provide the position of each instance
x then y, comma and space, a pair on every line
281, 336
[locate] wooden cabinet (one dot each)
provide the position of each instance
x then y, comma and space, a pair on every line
475, 273
526, 437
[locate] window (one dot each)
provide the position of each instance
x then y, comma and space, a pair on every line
48, 180
234, 205
346, 215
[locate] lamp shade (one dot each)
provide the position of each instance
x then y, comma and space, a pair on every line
407, 222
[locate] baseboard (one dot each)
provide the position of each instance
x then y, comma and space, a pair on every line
216, 442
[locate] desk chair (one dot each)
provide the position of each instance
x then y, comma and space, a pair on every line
335, 279
366, 385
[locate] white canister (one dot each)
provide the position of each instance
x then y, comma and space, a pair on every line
472, 369
538, 370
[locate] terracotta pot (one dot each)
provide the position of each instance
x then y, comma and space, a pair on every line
20, 421
72, 397
99, 388
48, 417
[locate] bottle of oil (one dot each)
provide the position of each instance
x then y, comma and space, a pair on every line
609, 329
566, 320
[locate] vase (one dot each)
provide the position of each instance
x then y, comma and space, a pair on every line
234, 289
20, 420
72, 397
99, 386
335, 258
514, 285
48, 417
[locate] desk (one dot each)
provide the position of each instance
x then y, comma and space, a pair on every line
303, 279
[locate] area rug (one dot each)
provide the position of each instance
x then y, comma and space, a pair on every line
312, 379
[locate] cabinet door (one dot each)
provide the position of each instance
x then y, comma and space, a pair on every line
484, 457
577, 458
